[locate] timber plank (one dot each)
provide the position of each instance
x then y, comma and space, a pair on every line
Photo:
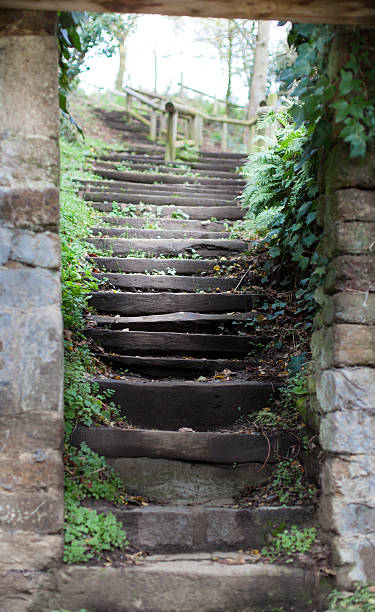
158, 200
148, 303
178, 367
162, 168
203, 247
165, 187
174, 343
165, 223
171, 318
200, 406
131, 232
167, 282
146, 177
206, 447
148, 264
194, 212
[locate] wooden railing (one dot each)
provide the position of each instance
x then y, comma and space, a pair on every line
175, 123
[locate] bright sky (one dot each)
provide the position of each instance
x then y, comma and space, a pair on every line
176, 52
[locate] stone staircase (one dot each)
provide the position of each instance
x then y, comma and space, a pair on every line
164, 325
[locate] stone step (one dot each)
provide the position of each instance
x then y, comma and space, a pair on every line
186, 584
169, 481
201, 447
126, 232
205, 247
175, 367
167, 282
175, 321
147, 177
194, 212
148, 264
145, 303
202, 406
185, 529
172, 224
158, 200
175, 343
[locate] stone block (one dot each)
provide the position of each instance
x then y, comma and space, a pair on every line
19, 588
355, 238
347, 389
38, 511
37, 249
28, 551
338, 516
25, 288
31, 372
31, 207
349, 307
183, 482
354, 556
349, 205
348, 431
351, 273
31, 431
351, 479
344, 345
343, 172
23, 471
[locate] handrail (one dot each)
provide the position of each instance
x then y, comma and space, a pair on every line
141, 98
202, 93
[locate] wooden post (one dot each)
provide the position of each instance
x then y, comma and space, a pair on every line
187, 128
128, 102
197, 130
170, 150
162, 126
224, 136
153, 122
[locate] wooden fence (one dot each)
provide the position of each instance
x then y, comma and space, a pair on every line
176, 124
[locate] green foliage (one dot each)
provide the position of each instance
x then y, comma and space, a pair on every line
361, 600
348, 93
282, 182
87, 534
288, 478
290, 542
88, 475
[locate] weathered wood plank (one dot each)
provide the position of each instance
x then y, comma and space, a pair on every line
200, 406
148, 303
207, 447
131, 232
143, 177
164, 169
148, 264
204, 247
174, 343
167, 282
194, 212
114, 185
173, 317
178, 367
158, 200
165, 223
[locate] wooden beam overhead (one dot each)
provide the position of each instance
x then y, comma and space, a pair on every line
356, 12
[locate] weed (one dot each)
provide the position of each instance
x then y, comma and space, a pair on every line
290, 542
288, 479
361, 600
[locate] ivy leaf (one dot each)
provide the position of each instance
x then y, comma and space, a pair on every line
354, 134
275, 251
346, 83
342, 110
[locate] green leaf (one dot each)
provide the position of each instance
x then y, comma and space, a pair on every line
275, 251
342, 109
346, 83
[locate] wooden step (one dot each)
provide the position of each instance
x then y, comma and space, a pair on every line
146, 177
114, 185
145, 303
202, 447
148, 264
164, 223
175, 367
165, 169
202, 247
202, 406
167, 282
158, 200
131, 232
175, 321
184, 529
175, 343
208, 164
194, 212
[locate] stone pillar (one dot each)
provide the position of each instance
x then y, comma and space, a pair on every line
344, 350
31, 365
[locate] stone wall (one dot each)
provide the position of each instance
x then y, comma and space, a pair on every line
31, 370
344, 352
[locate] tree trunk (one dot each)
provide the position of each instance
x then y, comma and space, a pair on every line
230, 69
259, 79
121, 68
